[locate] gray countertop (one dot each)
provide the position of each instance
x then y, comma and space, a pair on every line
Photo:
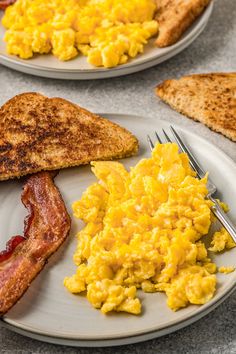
214, 50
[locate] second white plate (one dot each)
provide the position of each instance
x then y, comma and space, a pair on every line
78, 68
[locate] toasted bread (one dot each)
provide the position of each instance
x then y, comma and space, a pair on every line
175, 17
41, 133
207, 98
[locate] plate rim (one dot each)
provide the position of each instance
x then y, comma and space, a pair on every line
118, 341
194, 315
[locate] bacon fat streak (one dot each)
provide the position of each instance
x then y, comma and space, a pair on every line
46, 227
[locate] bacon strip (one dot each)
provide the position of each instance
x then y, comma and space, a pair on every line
46, 227
10, 246
5, 3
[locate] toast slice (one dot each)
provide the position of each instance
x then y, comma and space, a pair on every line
207, 98
175, 17
41, 133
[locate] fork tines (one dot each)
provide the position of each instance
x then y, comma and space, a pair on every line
150, 142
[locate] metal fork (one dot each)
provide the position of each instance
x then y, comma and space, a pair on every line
216, 208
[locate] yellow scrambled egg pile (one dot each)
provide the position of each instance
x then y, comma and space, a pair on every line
143, 231
108, 32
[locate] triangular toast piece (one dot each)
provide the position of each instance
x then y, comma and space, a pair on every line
207, 98
175, 17
41, 133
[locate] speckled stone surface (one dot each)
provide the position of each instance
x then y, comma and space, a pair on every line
214, 50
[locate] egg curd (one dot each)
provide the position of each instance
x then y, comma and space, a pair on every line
108, 32
143, 231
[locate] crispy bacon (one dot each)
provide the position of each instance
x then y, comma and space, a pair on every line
5, 3
10, 246
46, 227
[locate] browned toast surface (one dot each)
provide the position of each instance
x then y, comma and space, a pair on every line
207, 98
41, 133
175, 17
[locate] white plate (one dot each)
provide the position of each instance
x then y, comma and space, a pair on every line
49, 312
79, 69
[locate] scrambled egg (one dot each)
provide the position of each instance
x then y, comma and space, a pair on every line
226, 270
221, 241
108, 32
143, 230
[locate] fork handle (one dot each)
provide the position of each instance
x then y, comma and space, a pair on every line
223, 218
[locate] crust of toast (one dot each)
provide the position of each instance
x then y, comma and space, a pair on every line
41, 133
175, 17
207, 98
